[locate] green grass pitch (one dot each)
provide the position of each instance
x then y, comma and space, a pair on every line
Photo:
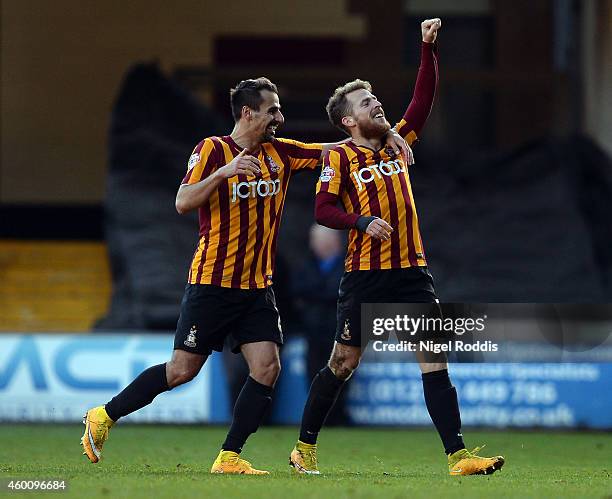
174, 462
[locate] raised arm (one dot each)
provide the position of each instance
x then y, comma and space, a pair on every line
425, 88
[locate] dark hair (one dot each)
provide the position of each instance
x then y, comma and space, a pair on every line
338, 105
248, 93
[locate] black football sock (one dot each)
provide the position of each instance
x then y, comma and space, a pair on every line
443, 407
250, 408
323, 393
139, 392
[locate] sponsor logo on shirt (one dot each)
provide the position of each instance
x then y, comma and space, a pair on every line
262, 188
367, 174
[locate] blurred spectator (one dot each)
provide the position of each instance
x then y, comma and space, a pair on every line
316, 291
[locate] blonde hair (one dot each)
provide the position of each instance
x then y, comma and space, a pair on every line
338, 105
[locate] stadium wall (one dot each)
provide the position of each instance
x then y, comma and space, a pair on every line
57, 377
63, 61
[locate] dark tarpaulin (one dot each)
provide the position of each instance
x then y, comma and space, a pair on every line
529, 226
155, 125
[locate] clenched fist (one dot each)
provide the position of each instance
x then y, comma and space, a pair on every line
429, 29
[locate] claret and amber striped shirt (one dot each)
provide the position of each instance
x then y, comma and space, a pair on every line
239, 222
375, 183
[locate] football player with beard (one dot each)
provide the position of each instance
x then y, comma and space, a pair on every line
385, 261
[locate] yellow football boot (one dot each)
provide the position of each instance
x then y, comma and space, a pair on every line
304, 458
229, 462
97, 425
464, 462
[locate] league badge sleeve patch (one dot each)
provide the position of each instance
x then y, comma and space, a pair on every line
327, 173
194, 159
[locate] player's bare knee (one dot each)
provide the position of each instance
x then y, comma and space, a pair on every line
342, 372
266, 371
177, 377
263, 360
343, 365
180, 373
429, 367
183, 367
344, 360
432, 358
431, 362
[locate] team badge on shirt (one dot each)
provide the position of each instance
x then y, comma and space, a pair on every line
327, 173
193, 160
273, 166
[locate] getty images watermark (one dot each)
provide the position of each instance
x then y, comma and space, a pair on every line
429, 334
509, 332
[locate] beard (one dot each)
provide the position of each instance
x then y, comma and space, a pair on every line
268, 135
373, 130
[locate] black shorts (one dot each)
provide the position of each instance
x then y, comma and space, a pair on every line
210, 314
409, 285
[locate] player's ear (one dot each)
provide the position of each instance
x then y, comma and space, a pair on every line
348, 121
246, 113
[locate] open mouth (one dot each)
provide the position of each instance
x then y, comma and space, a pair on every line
271, 129
379, 115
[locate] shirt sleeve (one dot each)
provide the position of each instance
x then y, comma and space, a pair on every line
202, 162
424, 91
332, 176
302, 155
330, 188
329, 214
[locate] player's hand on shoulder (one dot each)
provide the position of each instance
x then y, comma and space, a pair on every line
429, 29
398, 145
243, 164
